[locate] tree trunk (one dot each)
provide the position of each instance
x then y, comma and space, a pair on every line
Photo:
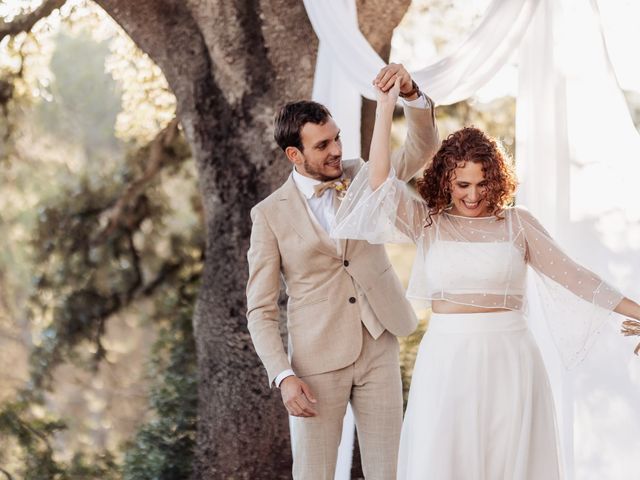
231, 64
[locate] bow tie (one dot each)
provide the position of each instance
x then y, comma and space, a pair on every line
340, 185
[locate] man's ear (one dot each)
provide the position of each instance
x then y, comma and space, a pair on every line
294, 155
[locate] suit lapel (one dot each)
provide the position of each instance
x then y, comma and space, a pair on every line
301, 221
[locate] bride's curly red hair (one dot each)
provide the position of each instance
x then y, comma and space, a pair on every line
468, 145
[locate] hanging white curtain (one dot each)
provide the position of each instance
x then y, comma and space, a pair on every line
454, 78
578, 154
347, 63
333, 85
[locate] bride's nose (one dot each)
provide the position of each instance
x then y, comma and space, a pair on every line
473, 195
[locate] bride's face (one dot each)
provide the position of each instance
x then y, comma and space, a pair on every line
468, 190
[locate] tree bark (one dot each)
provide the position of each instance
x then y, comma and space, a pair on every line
231, 64
25, 22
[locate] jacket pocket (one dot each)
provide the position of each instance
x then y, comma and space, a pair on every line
381, 276
297, 306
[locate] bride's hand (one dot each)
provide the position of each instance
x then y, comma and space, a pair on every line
389, 74
390, 97
631, 328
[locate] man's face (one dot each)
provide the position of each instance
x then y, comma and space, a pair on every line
321, 157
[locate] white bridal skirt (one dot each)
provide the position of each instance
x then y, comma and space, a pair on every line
480, 404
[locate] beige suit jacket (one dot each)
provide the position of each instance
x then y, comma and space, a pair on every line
323, 318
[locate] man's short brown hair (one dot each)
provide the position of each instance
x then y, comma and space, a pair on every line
292, 117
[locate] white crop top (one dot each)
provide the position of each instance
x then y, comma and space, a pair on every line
481, 261
498, 267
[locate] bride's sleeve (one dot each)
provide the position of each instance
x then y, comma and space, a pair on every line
389, 214
575, 301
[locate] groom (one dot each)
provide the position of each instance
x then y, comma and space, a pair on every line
346, 304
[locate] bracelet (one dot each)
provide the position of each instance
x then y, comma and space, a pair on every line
414, 89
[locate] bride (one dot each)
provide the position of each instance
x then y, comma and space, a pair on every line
480, 404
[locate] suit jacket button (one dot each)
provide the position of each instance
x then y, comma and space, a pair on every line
352, 299
346, 263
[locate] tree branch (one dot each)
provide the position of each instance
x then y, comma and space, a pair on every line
7, 474
9, 335
168, 269
135, 256
35, 432
25, 22
159, 156
135, 290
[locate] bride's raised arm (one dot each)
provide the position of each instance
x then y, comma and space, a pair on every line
380, 152
379, 207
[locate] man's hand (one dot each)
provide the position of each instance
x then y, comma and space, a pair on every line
297, 397
387, 77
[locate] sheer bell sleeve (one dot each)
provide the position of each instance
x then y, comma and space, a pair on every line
390, 214
575, 301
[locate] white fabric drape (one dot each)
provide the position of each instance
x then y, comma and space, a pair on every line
333, 85
578, 154
449, 80
347, 63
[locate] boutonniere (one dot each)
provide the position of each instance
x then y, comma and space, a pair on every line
342, 186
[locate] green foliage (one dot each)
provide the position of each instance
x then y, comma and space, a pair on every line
92, 266
33, 437
95, 229
164, 447
84, 101
84, 277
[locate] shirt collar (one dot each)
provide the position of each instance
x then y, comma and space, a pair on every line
305, 184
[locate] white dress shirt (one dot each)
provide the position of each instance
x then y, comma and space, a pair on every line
322, 207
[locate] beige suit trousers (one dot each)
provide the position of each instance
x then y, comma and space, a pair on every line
373, 386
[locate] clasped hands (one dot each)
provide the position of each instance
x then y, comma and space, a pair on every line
392, 80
